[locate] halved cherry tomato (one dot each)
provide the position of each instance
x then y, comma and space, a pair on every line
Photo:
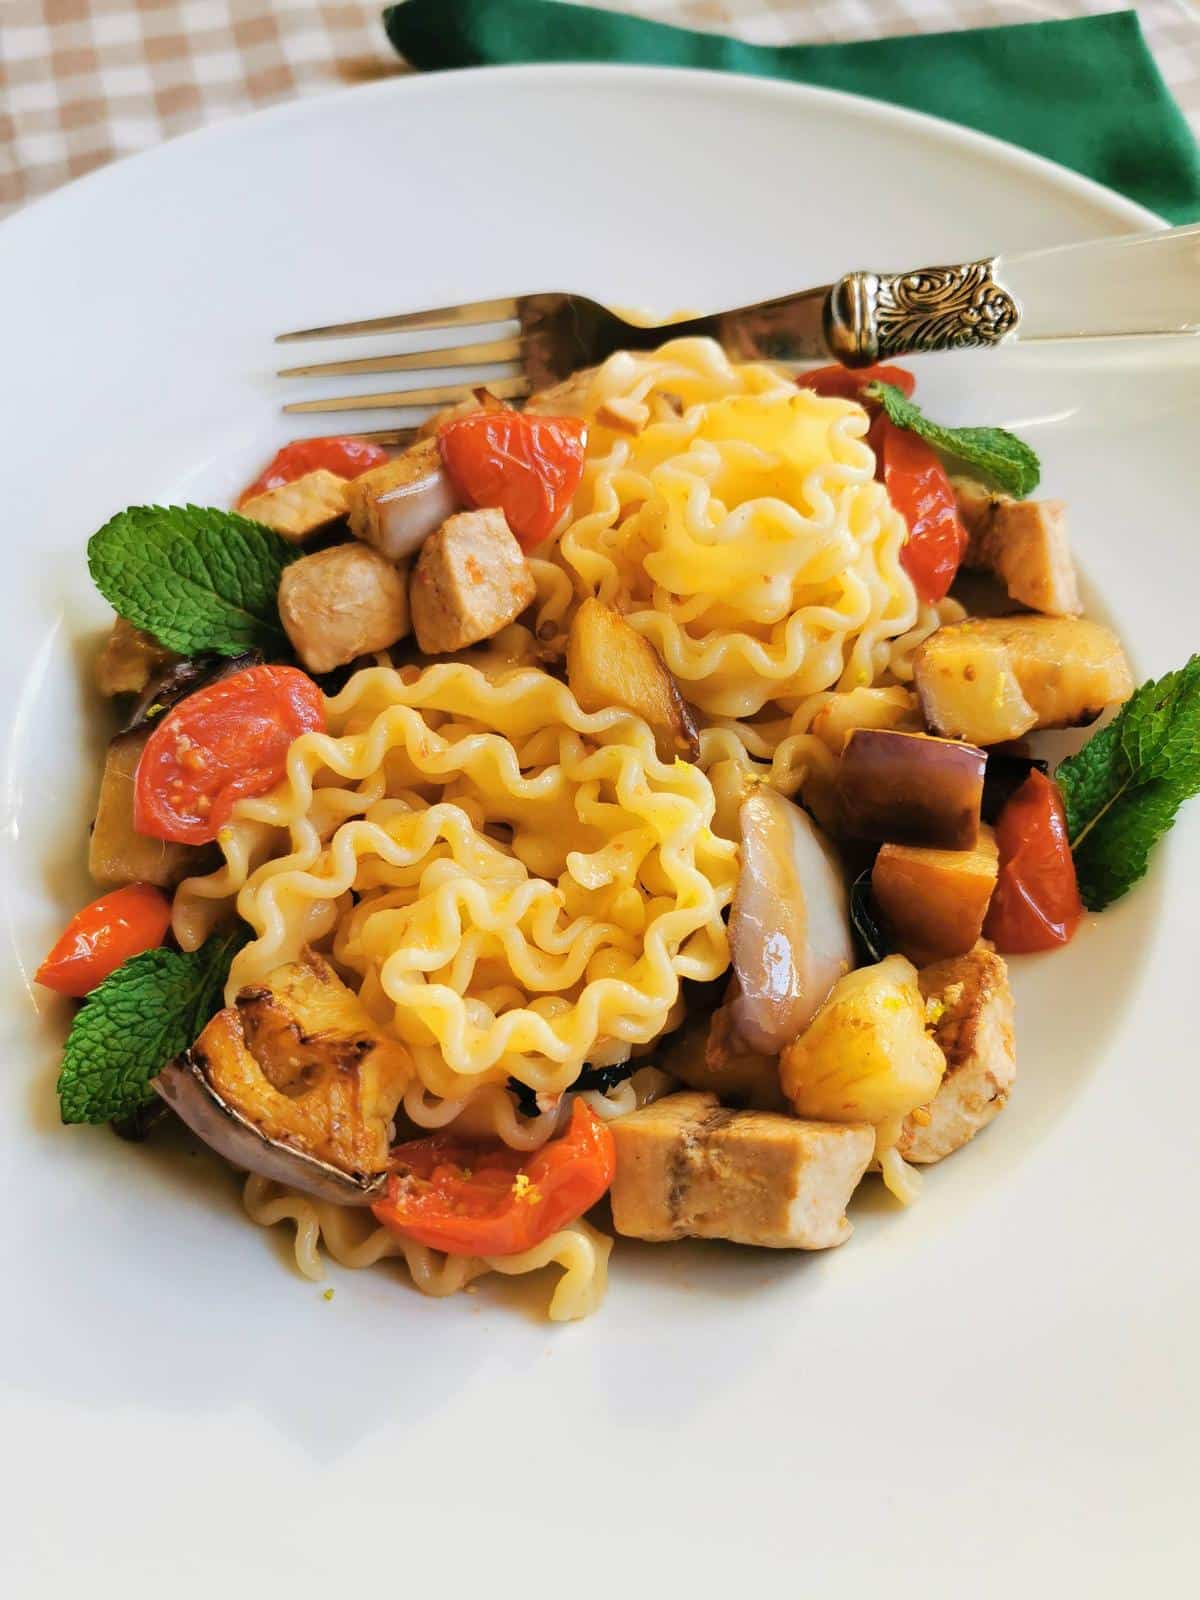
919, 488
530, 467
225, 743
347, 457
848, 383
103, 935
1035, 904
487, 1200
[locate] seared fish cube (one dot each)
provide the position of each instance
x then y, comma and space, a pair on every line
1024, 543
342, 603
689, 1167
470, 580
972, 1007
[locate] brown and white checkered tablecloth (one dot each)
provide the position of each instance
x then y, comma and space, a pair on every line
85, 81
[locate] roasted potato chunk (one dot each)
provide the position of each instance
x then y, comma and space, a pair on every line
893, 707
990, 679
1024, 544
972, 1004
689, 1167
610, 664
130, 657
298, 510
342, 603
470, 580
866, 1057
117, 853
301, 1059
934, 901
910, 789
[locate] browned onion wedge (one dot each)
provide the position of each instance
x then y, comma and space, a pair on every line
789, 926
183, 1085
397, 506
909, 788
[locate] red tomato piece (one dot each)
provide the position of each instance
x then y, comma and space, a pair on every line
102, 936
848, 383
347, 457
919, 488
1036, 903
530, 467
483, 1199
226, 743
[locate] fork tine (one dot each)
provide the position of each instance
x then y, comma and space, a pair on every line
444, 395
411, 321
462, 355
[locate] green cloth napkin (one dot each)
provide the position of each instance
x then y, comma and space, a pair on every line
1086, 93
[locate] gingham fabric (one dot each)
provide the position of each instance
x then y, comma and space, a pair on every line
85, 81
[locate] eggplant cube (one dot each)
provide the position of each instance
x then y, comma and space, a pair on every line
934, 901
909, 788
118, 853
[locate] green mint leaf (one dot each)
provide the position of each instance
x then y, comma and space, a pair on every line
1124, 788
997, 454
142, 1015
194, 577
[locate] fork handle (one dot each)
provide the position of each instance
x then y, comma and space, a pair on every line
1133, 284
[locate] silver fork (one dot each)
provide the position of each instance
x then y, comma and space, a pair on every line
1132, 284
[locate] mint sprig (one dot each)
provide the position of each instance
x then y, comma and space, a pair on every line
1124, 788
195, 577
142, 1015
997, 454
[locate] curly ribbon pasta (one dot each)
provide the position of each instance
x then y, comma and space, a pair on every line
515, 887
740, 528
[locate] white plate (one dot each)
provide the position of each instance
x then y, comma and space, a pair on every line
995, 1388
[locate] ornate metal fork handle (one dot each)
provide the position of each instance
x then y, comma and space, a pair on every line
871, 316
1127, 285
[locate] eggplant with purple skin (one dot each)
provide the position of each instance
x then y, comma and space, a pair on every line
182, 676
934, 902
117, 852
789, 927
295, 1081
910, 788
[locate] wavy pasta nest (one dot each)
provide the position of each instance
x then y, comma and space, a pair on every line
740, 528
514, 886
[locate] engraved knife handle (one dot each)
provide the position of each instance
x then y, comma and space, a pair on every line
1133, 284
